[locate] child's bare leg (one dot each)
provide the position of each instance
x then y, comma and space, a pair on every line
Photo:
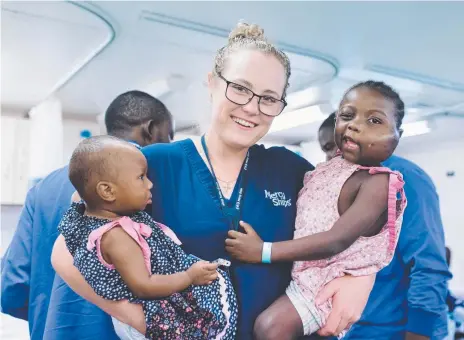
280, 321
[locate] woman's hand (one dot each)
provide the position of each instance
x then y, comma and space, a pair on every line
245, 247
349, 298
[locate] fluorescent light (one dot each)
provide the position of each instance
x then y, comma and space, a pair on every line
161, 87
303, 98
418, 128
313, 114
288, 120
158, 88
413, 110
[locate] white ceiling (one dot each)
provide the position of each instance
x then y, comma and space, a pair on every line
87, 53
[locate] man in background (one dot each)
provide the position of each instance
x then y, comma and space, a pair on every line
408, 300
327, 138
29, 288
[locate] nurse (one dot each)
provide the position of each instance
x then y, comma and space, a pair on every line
202, 189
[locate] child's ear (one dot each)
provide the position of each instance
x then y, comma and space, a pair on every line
106, 191
401, 132
75, 197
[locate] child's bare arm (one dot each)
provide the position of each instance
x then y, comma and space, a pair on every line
359, 219
119, 249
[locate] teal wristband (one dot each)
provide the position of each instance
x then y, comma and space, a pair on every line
266, 254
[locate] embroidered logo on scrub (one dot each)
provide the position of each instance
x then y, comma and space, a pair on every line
278, 198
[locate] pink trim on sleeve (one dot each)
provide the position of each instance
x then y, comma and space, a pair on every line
396, 184
169, 233
138, 231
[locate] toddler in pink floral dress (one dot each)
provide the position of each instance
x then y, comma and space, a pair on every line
349, 214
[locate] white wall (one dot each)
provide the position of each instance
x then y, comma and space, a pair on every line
14, 159
45, 125
16, 153
437, 159
71, 131
312, 152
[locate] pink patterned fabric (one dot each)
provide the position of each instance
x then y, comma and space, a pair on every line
138, 231
317, 211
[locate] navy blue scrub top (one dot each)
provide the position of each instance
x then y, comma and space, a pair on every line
185, 198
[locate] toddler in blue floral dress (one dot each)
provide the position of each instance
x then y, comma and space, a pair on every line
124, 254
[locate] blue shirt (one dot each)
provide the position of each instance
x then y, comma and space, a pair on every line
29, 288
185, 198
409, 295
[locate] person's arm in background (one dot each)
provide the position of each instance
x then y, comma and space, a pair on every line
124, 311
422, 248
16, 264
72, 317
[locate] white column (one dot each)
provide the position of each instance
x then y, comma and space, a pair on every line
101, 123
46, 139
14, 159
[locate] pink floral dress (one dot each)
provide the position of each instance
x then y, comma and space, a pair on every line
317, 211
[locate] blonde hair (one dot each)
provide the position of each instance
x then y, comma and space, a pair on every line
250, 36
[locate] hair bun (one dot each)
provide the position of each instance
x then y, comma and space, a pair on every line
246, 31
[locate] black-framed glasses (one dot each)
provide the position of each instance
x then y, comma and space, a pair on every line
241, 95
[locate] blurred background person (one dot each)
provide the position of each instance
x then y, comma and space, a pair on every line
27, 275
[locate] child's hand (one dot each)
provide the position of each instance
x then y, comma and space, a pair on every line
245, 247
203, 273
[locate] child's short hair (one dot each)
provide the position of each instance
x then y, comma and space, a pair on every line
90, 161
